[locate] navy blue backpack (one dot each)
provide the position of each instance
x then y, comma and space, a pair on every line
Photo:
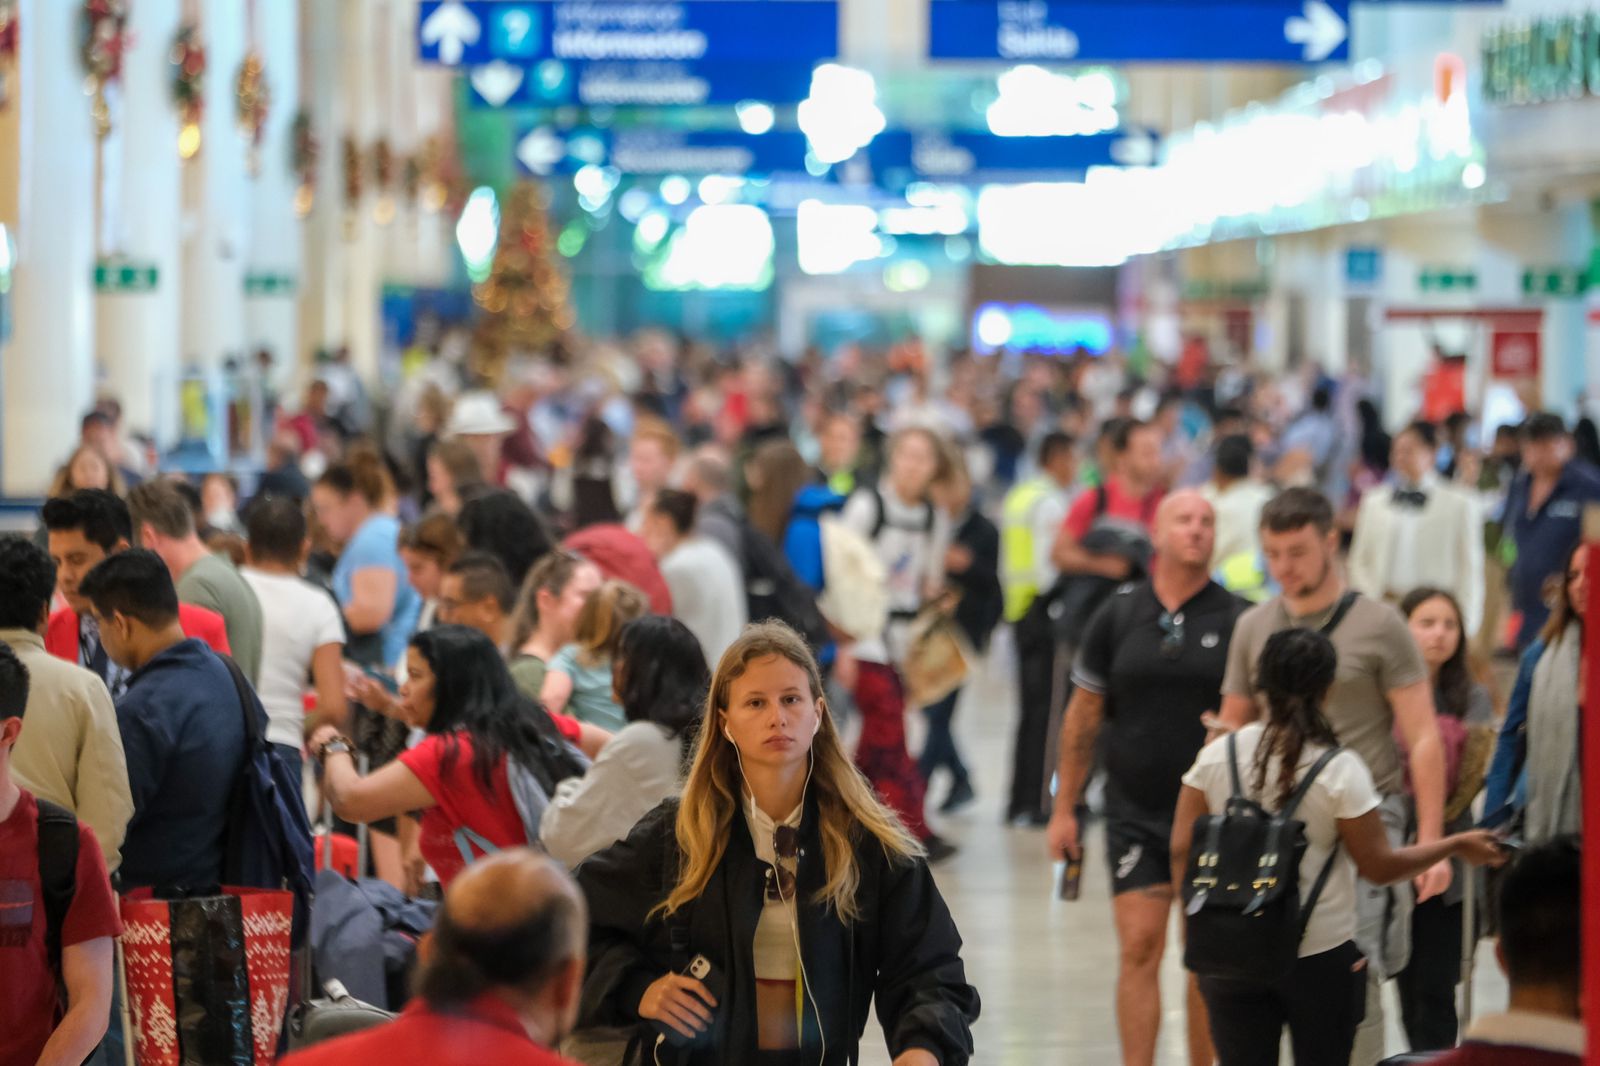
269, 835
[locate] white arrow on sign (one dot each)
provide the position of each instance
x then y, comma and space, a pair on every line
452, 27
541, 150
1321, 30
497, 81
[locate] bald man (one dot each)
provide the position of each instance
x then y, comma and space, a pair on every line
500, 977
1150, 665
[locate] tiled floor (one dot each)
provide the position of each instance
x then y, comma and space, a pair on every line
1047, 969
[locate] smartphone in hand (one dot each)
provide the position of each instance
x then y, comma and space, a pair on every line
1071, 879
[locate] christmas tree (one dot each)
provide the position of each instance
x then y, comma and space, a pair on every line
524, 298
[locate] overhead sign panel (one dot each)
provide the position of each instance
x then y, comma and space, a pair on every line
983, 158
478, 32
543, 150
1118, 31
554, 83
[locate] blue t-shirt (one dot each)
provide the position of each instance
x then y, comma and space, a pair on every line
591, 690
376, 544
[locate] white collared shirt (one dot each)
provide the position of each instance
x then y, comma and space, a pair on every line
1404, 528
776, 948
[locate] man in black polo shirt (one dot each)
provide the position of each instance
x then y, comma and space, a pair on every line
1151, 664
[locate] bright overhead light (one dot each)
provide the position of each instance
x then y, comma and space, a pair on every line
841, 115
994, 327
633, 204
718, 188
722, 246
833, 237
1473, 176
652, 230
1035, 102
478, 231
755, 117
675, 189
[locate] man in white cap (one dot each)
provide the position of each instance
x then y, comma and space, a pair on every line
479, 422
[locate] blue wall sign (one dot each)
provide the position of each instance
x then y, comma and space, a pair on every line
544, 150
476, 32
897, 156
1363, 266
553, 83
1103, 31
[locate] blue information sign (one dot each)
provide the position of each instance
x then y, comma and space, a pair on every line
1104, 31
543, 150
897, 156
552, 83
476, 32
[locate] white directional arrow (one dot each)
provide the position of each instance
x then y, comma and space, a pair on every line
452, 27
1321, 30
497, 81
541, 150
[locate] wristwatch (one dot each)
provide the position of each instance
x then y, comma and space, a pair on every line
336, 746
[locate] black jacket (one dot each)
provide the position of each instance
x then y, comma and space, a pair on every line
903, 949
982, 601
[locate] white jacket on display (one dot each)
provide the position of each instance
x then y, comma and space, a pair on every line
1398, 546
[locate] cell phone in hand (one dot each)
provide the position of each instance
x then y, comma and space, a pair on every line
1071, 879
705, 971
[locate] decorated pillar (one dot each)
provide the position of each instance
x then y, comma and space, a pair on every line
265, 100
138, 276
362, 161
320, 194
47, 363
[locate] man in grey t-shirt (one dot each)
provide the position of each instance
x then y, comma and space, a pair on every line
1381, 682
163, 522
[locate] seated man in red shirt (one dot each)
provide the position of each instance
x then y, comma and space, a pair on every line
1542, 956
500, 978
58, 914
85, 528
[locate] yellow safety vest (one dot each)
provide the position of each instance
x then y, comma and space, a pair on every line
1016, 545
1243, 575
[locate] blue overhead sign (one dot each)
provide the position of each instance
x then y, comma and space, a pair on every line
898, 156
553, 83
477, 32
544, 150
1114, 31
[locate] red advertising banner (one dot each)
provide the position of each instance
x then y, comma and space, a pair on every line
1514, 353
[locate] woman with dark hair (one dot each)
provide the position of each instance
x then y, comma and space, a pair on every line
457, 690
1427, 985
1535, 774
660, 677
775, 475
498, 522
1323, 999
594, 461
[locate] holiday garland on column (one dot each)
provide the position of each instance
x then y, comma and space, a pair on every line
304, 148
189, 87
8, 43
252, 100
102, 42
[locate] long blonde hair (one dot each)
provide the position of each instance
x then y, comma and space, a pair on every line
714, 792
610, 607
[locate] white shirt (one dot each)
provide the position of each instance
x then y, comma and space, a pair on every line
707, 593
776, 948
1238, 517
297, 618
912, 554
635, 771
1342, 791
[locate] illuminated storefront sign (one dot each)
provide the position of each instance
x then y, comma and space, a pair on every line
1542, 60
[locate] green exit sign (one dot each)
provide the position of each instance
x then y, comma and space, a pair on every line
1447, 280
112, 276
1558, 281
265, 284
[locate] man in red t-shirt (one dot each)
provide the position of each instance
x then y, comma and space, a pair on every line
500, 981
36, 1025
1129, 494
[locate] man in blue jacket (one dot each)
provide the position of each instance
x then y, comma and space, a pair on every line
180, 724
1544, 516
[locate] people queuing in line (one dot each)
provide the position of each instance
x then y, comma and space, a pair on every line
619, 695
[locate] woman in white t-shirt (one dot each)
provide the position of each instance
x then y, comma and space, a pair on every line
1324, 998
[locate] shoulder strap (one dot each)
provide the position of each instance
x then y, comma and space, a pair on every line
241, 686
1306, 782
882, 516
1233, 766
1310, 902
58, 871
1347, 601
1102, 499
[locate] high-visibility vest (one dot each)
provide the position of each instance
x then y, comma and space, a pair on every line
1017, 556
1245, 575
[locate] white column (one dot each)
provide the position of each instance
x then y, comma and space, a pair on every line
363, 36
136, 330
322, 322
271, 313
47, 368
218, 230
1566, 320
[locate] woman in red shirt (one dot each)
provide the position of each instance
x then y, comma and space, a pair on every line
459, 691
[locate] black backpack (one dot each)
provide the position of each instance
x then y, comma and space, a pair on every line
58, 876
773, 590
1242, 887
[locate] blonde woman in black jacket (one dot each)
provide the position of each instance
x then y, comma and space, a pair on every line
782, 869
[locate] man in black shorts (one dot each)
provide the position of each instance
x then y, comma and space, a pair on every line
1150, 666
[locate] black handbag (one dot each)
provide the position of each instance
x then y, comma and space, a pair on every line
1242, 887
